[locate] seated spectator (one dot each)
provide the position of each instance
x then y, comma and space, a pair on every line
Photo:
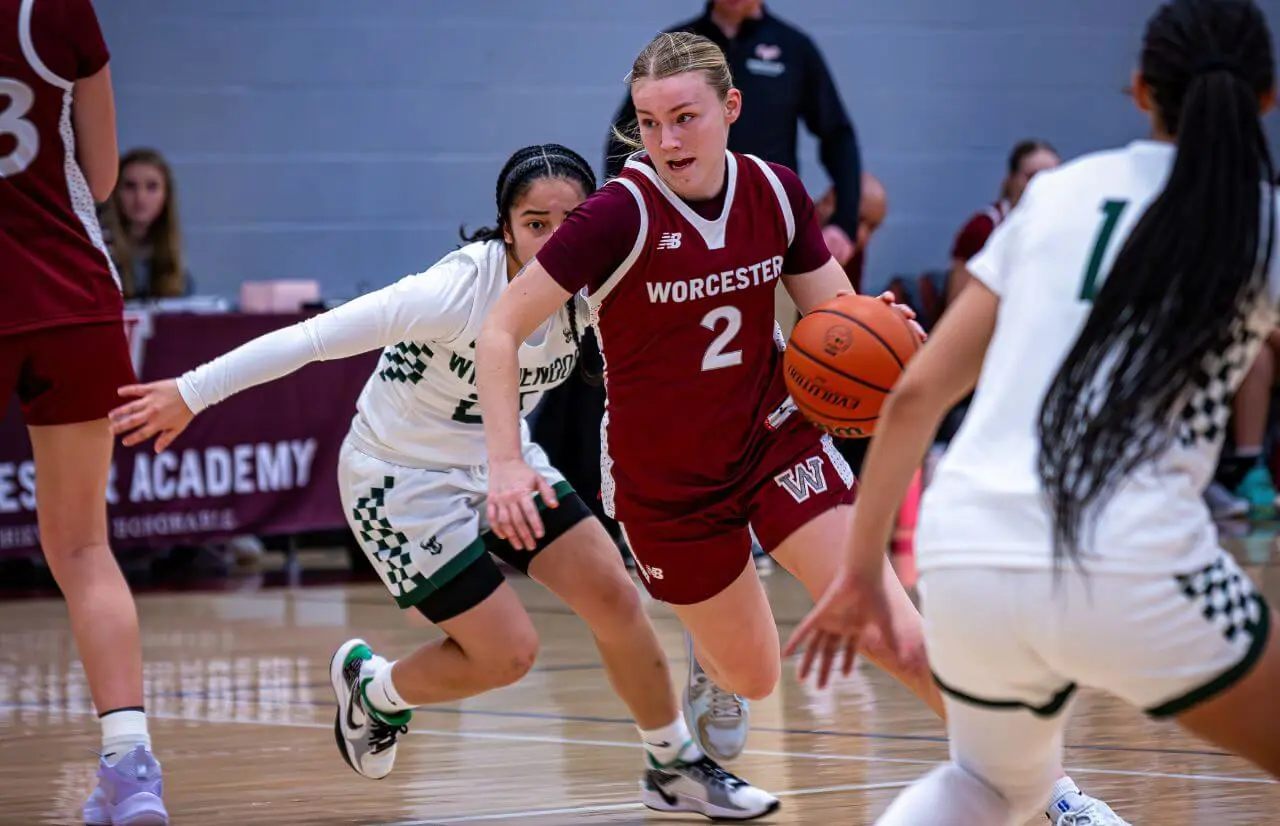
142, 229
1027, 158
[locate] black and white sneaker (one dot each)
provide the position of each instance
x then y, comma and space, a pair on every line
366, 737
705, 788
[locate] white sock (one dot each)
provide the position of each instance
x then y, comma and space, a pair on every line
670, 744
122, 731
383, 695
1066, 797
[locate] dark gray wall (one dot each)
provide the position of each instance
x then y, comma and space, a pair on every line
345, 140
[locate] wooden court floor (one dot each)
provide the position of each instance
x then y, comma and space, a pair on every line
238, 693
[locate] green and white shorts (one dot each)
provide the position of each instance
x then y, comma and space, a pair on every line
420, 528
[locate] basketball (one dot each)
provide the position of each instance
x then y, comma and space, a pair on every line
842, 360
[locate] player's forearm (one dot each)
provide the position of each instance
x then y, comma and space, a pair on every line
904, 432
369, 322
259, 361
498, 387
813, 288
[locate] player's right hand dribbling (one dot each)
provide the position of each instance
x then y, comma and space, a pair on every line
157, 409
513, 513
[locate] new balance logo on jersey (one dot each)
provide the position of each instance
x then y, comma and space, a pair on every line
669, 241
648, 571
803, 480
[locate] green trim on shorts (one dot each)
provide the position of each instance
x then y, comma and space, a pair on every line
426, 586
1228, 678
561, 489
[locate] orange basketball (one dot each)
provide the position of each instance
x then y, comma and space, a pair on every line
843, 359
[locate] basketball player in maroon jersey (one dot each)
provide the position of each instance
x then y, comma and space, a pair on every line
63, 350
680, 258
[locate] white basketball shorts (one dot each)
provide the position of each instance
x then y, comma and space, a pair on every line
1006, 638
420, 528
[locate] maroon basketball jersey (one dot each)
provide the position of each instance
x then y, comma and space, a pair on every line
55, 268
691, 345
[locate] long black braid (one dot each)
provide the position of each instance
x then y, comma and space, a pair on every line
525, 167
1194, 263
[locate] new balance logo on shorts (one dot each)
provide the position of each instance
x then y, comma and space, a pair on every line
803, 480
648, 571
669, 241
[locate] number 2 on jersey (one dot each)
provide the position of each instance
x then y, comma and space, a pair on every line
16, 100
717, 356
1111, 211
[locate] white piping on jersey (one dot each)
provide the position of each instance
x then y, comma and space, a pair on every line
77, 187
607, 485
713, 231
837, 460
784, 203
597, 298
29, 49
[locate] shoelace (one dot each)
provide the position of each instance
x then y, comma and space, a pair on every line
382, 736
712, 773
1076, 819
724, 706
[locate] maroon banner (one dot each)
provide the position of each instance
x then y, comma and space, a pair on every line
262, 462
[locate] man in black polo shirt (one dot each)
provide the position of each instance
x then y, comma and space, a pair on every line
784, 80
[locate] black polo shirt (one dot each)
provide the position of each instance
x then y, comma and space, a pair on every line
784, 80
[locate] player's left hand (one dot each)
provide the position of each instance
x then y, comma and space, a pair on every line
855, 606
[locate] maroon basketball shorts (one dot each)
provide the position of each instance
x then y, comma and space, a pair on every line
66, 375
687, 558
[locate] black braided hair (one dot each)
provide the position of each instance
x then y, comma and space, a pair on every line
1192, 265
524, 168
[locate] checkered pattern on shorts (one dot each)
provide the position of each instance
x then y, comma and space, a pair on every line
391, 547
1226, 598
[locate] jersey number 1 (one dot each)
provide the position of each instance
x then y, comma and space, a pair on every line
1111, 211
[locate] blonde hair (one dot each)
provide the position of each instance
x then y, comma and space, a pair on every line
164, 236
675, 53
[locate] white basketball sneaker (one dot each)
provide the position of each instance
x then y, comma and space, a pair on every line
366, 737
703, 787
720, 720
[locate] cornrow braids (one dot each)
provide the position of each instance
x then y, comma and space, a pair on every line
1190, 270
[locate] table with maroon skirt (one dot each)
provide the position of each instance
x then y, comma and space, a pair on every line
262, 463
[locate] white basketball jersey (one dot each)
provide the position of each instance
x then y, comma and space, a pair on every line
1045, 261
420, 405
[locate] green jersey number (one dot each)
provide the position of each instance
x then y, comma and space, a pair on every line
1111, 212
